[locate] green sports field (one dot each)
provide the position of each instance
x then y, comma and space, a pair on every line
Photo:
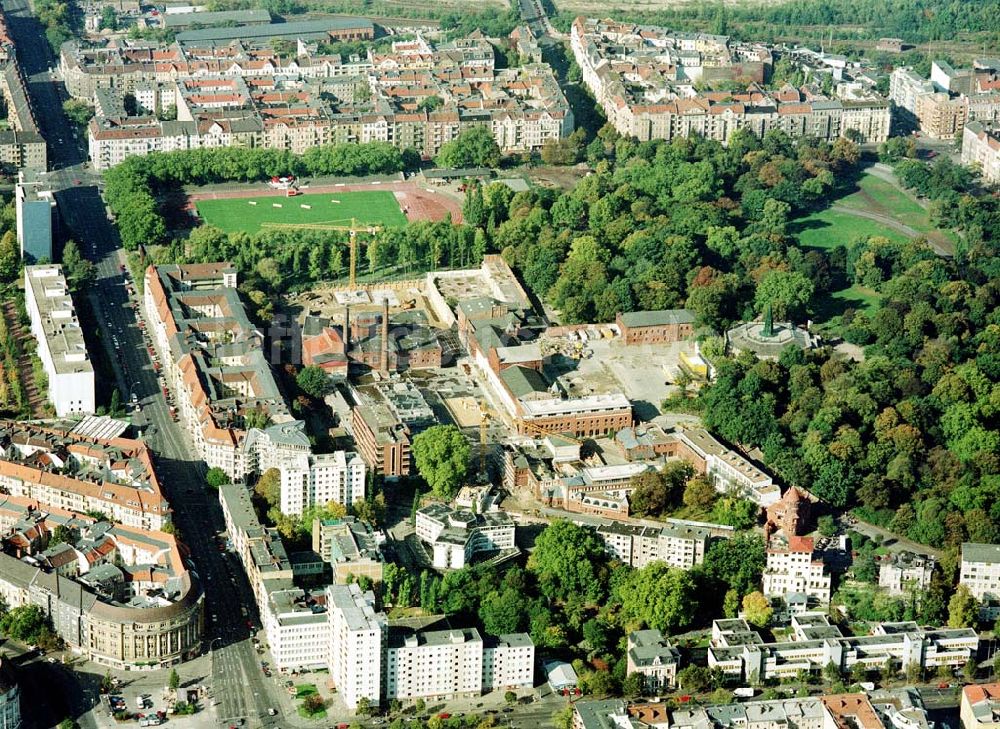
374, 207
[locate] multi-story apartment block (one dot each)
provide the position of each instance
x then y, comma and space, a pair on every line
653, 657
61, 346
508, 662
644, 78
21, 145
383, 421
213, 356
306, 479
678, 546
980, 573
981, 148
738, 651
113, 476
434, 664
455, 536
792, 569
298, 629
357, 648
296, 103
902, 573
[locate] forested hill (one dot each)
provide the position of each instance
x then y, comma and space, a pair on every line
912, 20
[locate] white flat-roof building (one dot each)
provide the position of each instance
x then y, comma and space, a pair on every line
61, 347
508, 662
298, 630
307, 479
357, 643
738, 651
980, 572
456, 535
434, 664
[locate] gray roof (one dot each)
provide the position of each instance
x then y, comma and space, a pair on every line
239, 17
657, 318
988, 553
301, 28
523, 381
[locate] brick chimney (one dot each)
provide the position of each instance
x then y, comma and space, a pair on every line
347, 328
384, 363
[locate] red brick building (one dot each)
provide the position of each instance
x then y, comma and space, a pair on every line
655, 327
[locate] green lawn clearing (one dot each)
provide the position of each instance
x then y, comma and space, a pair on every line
828, 309
250, 214
832, 228
305, 689
876, 207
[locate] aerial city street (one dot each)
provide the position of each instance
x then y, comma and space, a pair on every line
518, 363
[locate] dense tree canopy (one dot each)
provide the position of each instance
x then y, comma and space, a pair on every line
569, 561
441, 455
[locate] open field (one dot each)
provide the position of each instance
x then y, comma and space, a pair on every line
827, 311
250, 214
877, 207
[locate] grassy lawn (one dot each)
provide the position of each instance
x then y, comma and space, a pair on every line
305, 689
829, 309
831, 228
369, 207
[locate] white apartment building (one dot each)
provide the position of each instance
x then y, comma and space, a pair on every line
679, 546
981, 148
508, 662
728, 471
655, 659
298, 630
306, 479
791, 569
357, 642
434, 664
980, 572
61, 346
456, 535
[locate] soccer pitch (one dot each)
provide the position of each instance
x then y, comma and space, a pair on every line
250, 214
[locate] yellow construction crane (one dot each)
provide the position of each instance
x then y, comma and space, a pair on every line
484, 424
353, 229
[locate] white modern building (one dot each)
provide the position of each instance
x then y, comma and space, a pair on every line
61, 346
791, 569
298, 630
306, 479
738, 651
436, 664
456, 535
508, 662
357, 642
980, 572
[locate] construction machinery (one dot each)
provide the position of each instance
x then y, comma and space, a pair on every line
352, 230
484, 425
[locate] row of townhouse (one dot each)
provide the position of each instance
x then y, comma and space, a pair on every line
647, 90
112, 476
738, 651
248, 95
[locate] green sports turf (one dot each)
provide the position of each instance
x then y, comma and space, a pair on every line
374, 207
